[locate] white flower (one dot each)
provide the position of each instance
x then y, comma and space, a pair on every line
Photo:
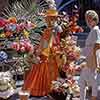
65, 85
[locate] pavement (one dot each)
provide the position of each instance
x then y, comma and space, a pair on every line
19, 83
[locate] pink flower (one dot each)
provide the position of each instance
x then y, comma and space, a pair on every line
65, 67
20, 27
22, 49
15, 46
22, 44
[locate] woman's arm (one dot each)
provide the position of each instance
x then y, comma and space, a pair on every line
97, 46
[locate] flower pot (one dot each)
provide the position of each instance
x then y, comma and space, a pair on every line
24, 95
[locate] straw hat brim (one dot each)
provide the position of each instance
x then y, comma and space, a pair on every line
51, 12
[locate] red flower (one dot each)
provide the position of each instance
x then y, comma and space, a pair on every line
8, 34
2, 22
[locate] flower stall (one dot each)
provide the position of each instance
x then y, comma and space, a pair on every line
39, 44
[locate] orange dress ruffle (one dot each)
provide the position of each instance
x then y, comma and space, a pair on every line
38, 81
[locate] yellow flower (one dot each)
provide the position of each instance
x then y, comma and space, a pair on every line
2, 35
26, 33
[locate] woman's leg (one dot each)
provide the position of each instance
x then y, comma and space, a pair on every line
93, 83
82, 86
82, 90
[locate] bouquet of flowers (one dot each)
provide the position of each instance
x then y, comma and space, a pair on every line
23, 46
7, 85
64, 88
71, 53
11, 28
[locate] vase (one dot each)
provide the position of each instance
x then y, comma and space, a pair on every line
24, 95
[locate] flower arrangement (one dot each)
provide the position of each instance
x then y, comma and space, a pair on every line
7, 85
20, 35
12, 28
71, 53
23, 46
14, 34
67, 87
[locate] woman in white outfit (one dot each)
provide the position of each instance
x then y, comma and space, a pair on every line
88, 72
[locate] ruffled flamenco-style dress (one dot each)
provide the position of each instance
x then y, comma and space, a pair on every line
38, 80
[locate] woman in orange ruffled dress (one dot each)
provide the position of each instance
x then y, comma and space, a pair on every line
38, 80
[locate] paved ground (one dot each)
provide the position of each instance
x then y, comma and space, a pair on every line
19, 83
15, 97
